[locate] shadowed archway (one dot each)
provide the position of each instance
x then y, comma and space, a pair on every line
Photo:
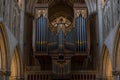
4, 56
116, 55
16, 65
106, 65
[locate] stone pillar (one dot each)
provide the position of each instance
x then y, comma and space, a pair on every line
22, 26
1, 10
22, 29
100, 25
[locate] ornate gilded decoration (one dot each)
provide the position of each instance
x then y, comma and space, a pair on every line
61, 67
41, 42
82, 12
60, 23
42, 12
81, 42
62, 63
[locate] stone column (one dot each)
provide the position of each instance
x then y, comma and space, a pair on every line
22, 29
100, 25
1, 10
22, 26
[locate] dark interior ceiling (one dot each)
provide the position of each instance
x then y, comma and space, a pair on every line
59, 8
52, 2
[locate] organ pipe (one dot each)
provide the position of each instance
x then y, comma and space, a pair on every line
81, 33
41, 33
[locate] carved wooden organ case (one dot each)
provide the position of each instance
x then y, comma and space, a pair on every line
60, 38
61, 35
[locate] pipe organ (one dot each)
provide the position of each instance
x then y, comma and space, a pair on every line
80, 24
61, 67
41, 31
61, 35
58, 41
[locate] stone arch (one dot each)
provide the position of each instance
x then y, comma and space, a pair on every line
116, 54
4, 54
16, 65
105, 65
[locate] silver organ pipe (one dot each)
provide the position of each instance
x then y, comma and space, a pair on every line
82, 28
81, 33
41, 33
85, 34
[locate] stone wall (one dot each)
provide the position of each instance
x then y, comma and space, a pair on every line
10, 15
111, 16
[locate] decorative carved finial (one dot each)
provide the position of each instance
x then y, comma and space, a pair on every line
80, 12
41, 12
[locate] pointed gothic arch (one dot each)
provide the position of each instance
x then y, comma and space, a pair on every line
4, 53
116, 54
105, 65
16, 65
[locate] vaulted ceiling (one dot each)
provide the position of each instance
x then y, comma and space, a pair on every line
65, 5
53, 2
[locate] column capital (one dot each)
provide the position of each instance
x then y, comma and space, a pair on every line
7, 73
115, 72
1, 73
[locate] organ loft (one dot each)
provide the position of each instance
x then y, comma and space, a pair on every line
61, 42
59, 39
